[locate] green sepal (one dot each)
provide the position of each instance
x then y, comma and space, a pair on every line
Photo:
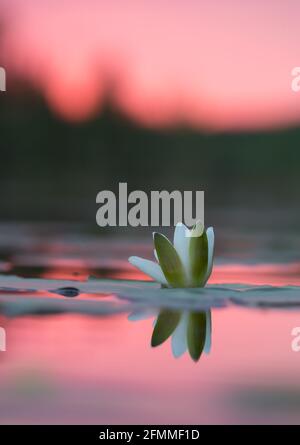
169, 261
198, 256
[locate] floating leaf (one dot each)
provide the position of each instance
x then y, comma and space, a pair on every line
165, 325
169, 261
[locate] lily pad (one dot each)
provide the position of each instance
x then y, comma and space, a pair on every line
101, 296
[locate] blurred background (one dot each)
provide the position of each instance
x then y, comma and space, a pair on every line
161, 94
181, 95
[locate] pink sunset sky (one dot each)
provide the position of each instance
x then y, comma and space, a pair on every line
212, 64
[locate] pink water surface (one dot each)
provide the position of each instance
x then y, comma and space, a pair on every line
78, 369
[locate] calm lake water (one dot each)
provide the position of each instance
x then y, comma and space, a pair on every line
76, 368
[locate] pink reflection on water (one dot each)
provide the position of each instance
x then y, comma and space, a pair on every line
72, 368
271, 274
102, 370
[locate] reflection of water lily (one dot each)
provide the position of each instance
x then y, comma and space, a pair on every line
189, 331
186, 263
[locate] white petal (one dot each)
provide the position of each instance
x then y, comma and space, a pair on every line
211, 242
149, 268
182, 243
179, 341
207, 344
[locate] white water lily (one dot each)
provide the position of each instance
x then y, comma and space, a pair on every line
185, 263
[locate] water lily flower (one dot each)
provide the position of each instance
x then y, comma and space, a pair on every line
185, 263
